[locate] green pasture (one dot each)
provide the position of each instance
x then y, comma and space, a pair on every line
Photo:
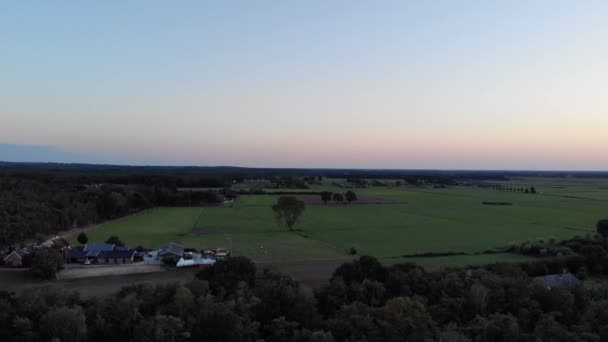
425, 220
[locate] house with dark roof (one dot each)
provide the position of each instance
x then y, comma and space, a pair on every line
560, 279
102, 253
171, 249
15, 258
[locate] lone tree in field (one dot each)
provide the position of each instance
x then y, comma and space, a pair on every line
326, 196
602, 227
338, 198
82, 238
350, 196
287, 210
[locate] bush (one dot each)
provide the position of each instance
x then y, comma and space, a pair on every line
170, 260
114, 240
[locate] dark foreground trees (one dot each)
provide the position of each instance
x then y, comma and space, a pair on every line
287, 210
363, 301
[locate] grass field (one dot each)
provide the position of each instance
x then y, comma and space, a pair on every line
424, 220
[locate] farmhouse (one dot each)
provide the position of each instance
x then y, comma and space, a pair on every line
102, 253
171, 249
15, 258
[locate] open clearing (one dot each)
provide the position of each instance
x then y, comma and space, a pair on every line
411, 221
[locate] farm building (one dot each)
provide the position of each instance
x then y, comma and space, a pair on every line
102, 253
195, 262
171, 249
15, 258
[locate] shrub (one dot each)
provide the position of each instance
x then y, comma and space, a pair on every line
170, 260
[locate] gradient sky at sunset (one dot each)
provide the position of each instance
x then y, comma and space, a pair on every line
363, 84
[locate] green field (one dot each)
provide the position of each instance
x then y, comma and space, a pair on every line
421, 220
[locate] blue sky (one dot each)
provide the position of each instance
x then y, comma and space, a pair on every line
390, 84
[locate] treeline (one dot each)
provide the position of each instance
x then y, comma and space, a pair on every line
364, 301
530, 190
376, 180
34, 206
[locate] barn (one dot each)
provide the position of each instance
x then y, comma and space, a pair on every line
102, 253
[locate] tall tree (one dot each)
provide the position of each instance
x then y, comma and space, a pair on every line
288, 209
350, 196
338, 198
83, 238
326, 196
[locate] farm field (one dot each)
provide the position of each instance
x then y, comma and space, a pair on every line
408, 221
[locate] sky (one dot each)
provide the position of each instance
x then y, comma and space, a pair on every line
332, 84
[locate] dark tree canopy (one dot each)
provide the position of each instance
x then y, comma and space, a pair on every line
46, 262
82, 238
228, 273
350, 196
288, 209
326, 196
115, 240
602, 227
338, 198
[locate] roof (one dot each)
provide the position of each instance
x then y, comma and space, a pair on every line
19, 252
101, 254
74, 254
566, 279
116, 254
94, 249
55, 241
195, 262
172, 248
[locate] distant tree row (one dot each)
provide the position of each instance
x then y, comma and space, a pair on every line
350, 196
530, 190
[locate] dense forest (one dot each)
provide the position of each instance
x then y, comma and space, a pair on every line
34, 205
364, 301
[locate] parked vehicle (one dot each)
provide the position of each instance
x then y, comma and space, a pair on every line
221, 253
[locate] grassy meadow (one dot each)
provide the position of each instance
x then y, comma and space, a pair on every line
413, 220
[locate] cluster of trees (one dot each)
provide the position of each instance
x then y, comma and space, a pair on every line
582, 256
37, 205
350, 196
363, 301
